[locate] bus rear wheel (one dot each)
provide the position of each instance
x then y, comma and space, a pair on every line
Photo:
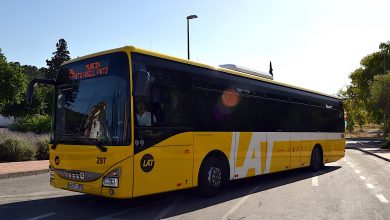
211, 177
316, 162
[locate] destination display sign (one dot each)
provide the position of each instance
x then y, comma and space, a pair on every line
89, 70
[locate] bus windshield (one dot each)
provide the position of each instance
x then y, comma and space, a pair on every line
92, 101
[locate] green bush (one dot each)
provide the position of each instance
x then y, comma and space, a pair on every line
42, 150
34, 123
13, 150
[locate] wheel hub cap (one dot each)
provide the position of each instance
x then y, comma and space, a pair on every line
215, 176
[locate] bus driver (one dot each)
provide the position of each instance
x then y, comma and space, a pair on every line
143, 115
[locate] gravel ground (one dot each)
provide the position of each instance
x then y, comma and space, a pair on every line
28, 136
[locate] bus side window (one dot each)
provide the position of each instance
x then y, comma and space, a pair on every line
168, 97
157, 106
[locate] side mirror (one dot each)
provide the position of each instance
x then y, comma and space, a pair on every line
32, 85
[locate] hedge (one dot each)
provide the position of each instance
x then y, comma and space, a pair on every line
13, 150
35, 123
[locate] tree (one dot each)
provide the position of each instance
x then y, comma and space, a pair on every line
380, 97
32, 72
371, 65
38, 105
14, 79
385, 47
59, 56
359, 92
53, 65
13, 83
353, 107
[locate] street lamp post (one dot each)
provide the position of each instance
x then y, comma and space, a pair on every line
188, 33
385, 50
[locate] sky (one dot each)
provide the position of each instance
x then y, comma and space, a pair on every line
312, 44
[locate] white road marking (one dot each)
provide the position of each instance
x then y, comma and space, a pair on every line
166, 211
239, 203
314, 181
382, 198
370, 186
42, 216
352, 166
357, 171
362, 177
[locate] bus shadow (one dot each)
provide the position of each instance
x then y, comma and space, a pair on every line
244, 187
150, 207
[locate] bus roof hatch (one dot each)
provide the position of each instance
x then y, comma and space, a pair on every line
247, 70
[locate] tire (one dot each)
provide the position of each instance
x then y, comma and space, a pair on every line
316, 162
212, 177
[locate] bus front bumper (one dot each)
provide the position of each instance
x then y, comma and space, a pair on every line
118, 181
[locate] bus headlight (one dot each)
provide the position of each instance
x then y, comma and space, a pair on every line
112, 178
51, 172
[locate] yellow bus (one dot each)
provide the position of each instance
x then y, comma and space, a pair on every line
130, 122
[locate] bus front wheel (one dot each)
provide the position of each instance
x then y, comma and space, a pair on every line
211, 177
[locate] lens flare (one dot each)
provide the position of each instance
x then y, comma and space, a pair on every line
230, 98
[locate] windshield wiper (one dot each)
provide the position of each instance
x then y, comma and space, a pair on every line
97, 143
58, 139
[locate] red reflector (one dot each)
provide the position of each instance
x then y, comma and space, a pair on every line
187, 151
179, 184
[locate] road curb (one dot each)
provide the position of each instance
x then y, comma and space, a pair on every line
365, 139
22, 174
368, 152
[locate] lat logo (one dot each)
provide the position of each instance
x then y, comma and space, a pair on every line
253, 152
252, 158
147, 163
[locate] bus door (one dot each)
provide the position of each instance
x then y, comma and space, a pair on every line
164, 166
163, 141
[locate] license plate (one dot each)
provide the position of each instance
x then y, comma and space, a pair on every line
75, 186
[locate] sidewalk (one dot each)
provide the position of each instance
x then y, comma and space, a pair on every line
26, 168
372, 147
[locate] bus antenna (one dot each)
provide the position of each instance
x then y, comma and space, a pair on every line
270, 69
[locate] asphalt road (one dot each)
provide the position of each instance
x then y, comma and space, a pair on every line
356, 187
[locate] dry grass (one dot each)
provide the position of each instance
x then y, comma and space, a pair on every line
368, 131
29, 137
